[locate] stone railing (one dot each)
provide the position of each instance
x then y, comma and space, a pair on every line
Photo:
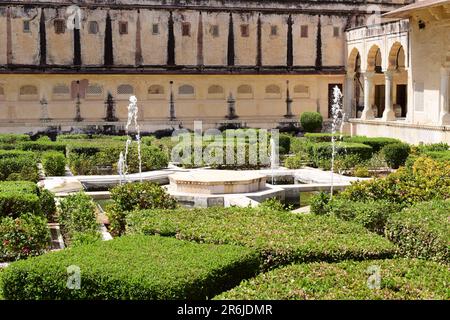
364, 32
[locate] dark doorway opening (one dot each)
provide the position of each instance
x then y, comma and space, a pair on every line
330, 95
380, 99
402, 97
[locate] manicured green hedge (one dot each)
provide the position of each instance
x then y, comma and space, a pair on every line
424, 180
18, 197
323, 137
280, 237
11, 138
400, 279
77, 216
23, 236
136, 267
136, 196
422, 231
322, 151
311, 121
396, 154
42, 145
377, 143
18, 165
54, 163
439, 155
101, 157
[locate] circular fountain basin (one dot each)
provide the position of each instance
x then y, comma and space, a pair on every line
217, 181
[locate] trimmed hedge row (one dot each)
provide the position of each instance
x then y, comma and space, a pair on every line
54, 163
422, 231
377, 143
11, 138
18, 165
280, 237
20, 197
323, 137
78, 220
350, 280
144, 268
42, 145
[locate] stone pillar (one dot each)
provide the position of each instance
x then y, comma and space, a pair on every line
444, 111
171, 103
349, 95
288, 114
367, 112
389, 113
231, 114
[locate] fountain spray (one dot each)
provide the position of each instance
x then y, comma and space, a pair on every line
132, 117
337, 117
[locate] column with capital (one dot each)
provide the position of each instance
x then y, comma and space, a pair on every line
367, 112
389, 113
444, 112
349, 94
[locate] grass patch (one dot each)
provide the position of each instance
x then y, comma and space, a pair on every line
280, 237
399, 279
134, 267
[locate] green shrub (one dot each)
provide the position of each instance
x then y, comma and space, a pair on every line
361, 171
280, 237
377, 143
18, 165
136, 196
323, 137
346, 162
21, 196
274, 204
433, 147
400, 279
284, 142
439, 155
322, 151
296, 161
42, 146
77, 214
311, 121
300, 145
422, 231
137, 267
425, 180
396, 154
319, 203
54, 163
24, 236
373, 215
11, 138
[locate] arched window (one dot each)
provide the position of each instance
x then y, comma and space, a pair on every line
301, 91
94, 91
186, 90
28, 90
215, 89
273, 89
245, 92
61, 89
125, 89
156, 89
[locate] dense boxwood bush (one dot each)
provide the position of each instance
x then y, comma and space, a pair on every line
22, 196
372, 214
377, 143
321, 153
23, 236
77, 215
424, 180
323, 137
280, 237
54, 163
11, 138
136, 196
399, 279
396, 154
422, 231
136, 267
101, 157
311, 121
284, 142
18, 165
42, 145
439, 155
297, 161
